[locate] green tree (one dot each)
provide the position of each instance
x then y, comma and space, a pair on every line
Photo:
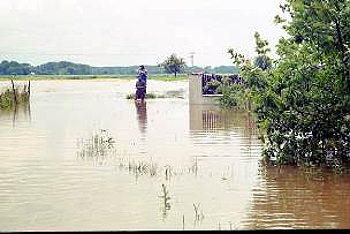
14, 68
173, 64
303, 104
69, 68
262, 61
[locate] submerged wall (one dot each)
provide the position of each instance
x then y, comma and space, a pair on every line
196, 96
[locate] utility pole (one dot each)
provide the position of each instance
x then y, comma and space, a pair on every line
192, 58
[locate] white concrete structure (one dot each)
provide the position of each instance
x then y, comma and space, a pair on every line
196, 96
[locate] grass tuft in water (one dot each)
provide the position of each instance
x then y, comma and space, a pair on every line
167, 94
199, 216
97, 146
16, 95
148, 96
165, 196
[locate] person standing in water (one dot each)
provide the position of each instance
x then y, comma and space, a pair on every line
143, 73
140, 90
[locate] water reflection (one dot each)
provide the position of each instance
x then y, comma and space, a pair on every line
141, 110
294, 198
225, 151
226, 127
19, 113
212, 117
207, 159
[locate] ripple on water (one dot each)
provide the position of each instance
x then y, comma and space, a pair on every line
202, 155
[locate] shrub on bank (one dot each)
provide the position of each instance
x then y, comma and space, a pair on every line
302, 99
14, 96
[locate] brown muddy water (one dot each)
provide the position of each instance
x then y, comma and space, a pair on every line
82, 157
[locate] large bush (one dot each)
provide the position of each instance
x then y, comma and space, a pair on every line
302, 101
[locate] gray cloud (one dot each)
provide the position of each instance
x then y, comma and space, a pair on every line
108, 32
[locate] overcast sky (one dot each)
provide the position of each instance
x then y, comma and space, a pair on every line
133, 32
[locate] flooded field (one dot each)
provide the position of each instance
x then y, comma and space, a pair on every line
83, 157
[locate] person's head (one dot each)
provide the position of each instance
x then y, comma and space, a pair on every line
142, 67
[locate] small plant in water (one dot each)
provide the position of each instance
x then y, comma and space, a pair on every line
167, 94
167, 172
140, 167
153, 170
183, 222
98, 145
165, 196
199, 216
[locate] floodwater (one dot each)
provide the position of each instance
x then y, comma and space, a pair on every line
83, 157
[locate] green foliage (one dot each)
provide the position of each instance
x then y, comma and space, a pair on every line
303, 103
263, 62
152, 96
254, 74
14, 68
167, 94
233, 95
173, 64
7, 97
148, 96
261, 45
214, 83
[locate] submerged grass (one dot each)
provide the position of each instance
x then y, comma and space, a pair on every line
101, 147
148, 96
98, 145
168, 94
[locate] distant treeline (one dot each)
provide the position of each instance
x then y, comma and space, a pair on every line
69, 68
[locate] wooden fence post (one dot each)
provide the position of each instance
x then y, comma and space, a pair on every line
29, 87
14, 91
